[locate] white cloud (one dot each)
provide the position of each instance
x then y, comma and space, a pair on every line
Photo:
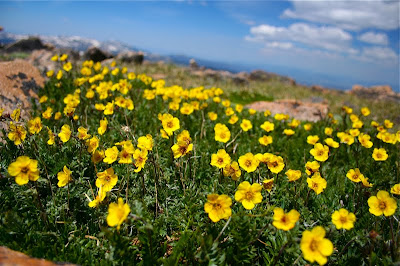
350, 15
279, 45
374, 38
329, 38
381, 53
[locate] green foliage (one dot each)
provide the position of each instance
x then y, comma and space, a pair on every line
167, 223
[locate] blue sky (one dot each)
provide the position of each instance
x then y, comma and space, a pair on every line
334, 43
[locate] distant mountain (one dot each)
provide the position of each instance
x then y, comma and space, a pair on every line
72, 42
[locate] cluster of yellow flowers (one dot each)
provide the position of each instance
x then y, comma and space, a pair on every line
115, 97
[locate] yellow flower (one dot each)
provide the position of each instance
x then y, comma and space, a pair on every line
315, 247
364, 139
99, 198
229, 111
267, 113
1, 111
51, 137
288, 132
354, 132
312, 167
345, 138
388, 123
343, 219
226, 103
64, 177
312, 139
252, 111
293, 175
320, 152
232, 170
265, 140
275, 164
328, 131
98, 156
331, 143
220, 159
67, 66
285, 221
365, 111
170, 123
59, 74
54, 58
213, 116
379, 154
239, 108
48, 113
24, 169
92, 144
146, 142
218, 207
125, 156
233, 119
354, 175
248, 195
63, 57
246, 125
16, 133
248, 162
316, 183
382, 203
107, 179
43, 99
280, 117
181, 148
222, 133
268, 126
358, 124
364, 181
140, 157
65, 133
268, 184
109, 109
307, 127
164, 134
186, 109
117, 213
395, 189
83, 133
111, 155
57, 115
103, 126
294, 123
16, 114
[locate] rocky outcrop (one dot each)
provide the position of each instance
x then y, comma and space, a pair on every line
96, 54
19, 82
379, 92
301, 110
25, 45
193, 64
131, 57
261, 75
11, 257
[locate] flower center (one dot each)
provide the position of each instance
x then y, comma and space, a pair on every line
217, 206
382, 205
249, 195
220, 160
222, 135
170, 124
24, 170
248, 163
313, 245
343, 219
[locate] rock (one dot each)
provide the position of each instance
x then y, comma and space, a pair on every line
96, 54
42, 60
193, 64
19, 82
131, 57
300, 110
261, 75
25, 45
378, 92
10, 257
